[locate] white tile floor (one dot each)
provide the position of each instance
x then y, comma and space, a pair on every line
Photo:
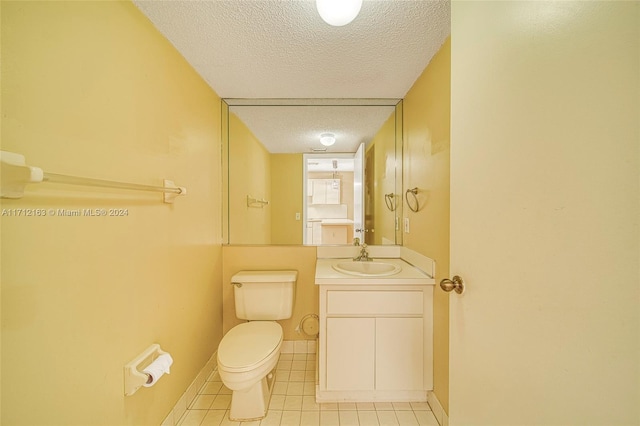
293, 403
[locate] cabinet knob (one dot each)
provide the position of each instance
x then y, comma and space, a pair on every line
456, 283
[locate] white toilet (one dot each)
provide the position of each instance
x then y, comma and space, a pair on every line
248, 353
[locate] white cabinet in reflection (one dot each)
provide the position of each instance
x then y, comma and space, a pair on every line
324, 191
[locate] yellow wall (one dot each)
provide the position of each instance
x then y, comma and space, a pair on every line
426, 166
249, 174
286, 198
383, 145
301, 259
92, 89
399, 169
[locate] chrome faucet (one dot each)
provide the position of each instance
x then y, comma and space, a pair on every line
364, 255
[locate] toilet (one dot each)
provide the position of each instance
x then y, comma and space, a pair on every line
249, 352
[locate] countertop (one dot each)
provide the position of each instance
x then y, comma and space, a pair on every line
332, 221
337, 222
409, 275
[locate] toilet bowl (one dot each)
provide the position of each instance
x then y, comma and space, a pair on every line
247, 357
249, 352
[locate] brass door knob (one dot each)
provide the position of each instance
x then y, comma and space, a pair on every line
456, 284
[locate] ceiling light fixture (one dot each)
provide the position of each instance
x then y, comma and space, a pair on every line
327, 139
338, 12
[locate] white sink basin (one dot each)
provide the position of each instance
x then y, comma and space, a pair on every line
367, 269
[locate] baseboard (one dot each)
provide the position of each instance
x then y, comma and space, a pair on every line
370, 396
436, 408
190, 394
299, 346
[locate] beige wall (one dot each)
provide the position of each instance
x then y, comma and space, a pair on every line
286, 198
426, 166
92, 89
301, 259
545, 113
249, 174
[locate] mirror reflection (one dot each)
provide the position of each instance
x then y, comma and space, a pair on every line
333, 204
286, 186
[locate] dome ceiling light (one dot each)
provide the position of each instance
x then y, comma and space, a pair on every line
327, 139
338, 12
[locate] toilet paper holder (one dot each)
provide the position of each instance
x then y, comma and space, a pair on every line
134, 379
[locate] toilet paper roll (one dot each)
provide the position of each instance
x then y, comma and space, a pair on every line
157, 368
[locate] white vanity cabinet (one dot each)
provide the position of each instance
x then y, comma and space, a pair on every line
375, 342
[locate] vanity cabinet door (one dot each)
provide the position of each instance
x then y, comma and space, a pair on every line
399, 353
350, 353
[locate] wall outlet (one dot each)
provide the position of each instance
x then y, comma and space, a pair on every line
297, 216
406, 225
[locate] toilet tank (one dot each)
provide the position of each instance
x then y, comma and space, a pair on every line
264, 295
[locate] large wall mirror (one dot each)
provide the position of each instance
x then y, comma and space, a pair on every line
285, 186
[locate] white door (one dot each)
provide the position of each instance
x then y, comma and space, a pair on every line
544, 213
358, 193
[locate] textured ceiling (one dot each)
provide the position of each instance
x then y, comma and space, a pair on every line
283, 49
301, 131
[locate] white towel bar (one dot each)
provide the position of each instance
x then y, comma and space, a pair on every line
16, 175
254, 202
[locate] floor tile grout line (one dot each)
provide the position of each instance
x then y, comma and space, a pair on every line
301, 410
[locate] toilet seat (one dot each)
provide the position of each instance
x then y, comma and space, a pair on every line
248, 345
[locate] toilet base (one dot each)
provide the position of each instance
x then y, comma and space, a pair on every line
253, 403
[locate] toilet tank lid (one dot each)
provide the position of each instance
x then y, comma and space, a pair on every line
265, 276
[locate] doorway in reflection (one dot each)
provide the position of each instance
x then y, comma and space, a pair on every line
333, 202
